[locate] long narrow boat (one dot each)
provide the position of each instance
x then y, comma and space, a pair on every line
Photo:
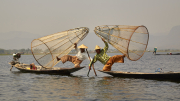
40, 70
158, 75
169, 54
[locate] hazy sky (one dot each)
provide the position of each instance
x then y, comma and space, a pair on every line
46, 17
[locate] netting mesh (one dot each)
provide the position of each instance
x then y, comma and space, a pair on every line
129, 40
46, 49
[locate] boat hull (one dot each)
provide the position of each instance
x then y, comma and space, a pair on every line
168, 54
59, 71
160, 75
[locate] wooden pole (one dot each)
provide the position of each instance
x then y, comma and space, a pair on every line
11, 68
92, 65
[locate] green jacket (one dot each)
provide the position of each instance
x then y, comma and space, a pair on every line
102, 56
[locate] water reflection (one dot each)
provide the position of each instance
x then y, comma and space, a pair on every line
58, 87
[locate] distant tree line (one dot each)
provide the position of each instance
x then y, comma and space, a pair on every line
11, 51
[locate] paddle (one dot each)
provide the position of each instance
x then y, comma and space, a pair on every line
11, 66
92, 65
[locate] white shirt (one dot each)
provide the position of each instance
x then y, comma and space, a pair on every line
82, 56
14, 54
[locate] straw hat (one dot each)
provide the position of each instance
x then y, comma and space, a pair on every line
97, 47
83, 46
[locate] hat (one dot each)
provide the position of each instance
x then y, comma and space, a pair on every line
83, 46
97, 47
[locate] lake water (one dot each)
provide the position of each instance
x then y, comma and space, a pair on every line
15, 85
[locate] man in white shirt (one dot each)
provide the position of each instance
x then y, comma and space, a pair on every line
16, 56
80, 56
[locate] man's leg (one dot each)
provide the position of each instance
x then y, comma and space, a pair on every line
76, 65
11, 68
72, 59
65, 58
112, 60
117, 58
58, 58
76, 62
107, 67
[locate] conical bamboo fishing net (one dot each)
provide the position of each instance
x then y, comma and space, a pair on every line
129, 40
46, 49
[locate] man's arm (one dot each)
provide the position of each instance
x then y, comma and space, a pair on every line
92, 62
106, 45
75, 46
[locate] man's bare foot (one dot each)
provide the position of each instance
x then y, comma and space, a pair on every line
58, 58
106, 70
76, 66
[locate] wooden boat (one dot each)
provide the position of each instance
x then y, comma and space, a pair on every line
157, 75
41, 70
47, 48
169, 54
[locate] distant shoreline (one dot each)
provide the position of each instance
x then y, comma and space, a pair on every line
110, 52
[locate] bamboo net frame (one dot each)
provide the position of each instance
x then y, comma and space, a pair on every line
45, 49
131, 41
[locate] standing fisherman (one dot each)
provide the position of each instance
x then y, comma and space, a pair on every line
104, 58
80, 56
155, 49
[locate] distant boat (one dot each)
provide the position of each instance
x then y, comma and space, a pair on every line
168, 54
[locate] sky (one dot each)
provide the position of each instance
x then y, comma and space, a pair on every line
44, 17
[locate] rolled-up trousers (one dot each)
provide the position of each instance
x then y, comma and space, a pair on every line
112, 60
72, 59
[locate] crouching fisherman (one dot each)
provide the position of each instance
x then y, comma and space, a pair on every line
104, 58
33, 66
16, 57
76, 60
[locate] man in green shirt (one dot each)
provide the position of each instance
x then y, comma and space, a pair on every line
104, 58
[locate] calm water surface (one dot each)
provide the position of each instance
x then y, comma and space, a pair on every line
15, 85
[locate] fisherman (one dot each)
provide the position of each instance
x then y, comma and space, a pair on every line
170, 53
155, 49
32, 66
80, 56
104, 58
16, 56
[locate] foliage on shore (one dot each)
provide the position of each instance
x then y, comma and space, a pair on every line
11, 51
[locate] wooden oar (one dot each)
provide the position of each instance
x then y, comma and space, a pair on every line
11, 68
11, 65
88, 72
92, 65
